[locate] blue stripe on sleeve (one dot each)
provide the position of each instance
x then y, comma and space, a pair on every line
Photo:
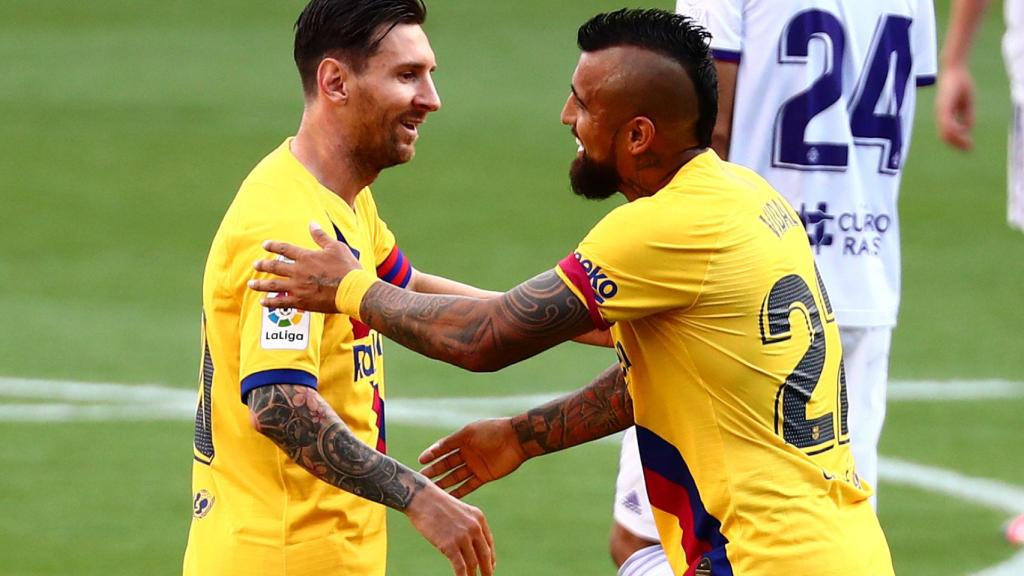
726, 55
280, 376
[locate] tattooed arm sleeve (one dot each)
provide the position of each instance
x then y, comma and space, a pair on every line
480, 335
601, 408
301, 423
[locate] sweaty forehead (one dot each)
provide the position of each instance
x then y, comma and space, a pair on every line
405, 44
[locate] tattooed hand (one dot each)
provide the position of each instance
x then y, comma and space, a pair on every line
305, 427
310, 281
490, 449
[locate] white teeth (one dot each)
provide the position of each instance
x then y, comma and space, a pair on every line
580, 144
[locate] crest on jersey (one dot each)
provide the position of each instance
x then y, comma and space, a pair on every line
202, 503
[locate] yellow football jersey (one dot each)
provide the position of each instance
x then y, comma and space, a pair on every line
254, 510
733, 359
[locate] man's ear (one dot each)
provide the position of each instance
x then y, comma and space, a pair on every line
333, 79
640, 134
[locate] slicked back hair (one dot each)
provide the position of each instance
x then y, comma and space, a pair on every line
672, 35
347, 29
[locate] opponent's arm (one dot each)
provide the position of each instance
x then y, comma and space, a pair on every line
954, 98
490, 449
305, 427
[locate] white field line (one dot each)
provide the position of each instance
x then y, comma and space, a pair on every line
82, 401
989, 493
82, 392
954, 390
1012, 567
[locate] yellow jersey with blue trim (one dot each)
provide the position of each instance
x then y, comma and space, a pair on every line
255, 511
732, 357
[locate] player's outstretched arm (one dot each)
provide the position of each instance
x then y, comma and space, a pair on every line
490, 449
431, 284
304, 425
477, 334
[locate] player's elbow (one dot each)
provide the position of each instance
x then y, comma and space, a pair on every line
482, 361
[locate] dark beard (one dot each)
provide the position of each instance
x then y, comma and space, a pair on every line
379, 157
592, 180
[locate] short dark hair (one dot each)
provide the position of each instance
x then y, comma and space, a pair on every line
351, 29
672, 35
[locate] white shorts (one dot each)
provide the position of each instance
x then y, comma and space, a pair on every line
1015, 170
632, 510
866, 359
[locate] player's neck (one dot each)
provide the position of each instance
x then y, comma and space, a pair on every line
654, 172
325, 154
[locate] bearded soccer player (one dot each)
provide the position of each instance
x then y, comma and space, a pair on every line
291, 476
818, 97
730, 363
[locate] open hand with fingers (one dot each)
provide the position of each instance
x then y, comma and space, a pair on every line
473, 456
455, 528
309, 279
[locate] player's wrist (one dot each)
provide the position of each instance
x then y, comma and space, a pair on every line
351, 290
525, 445
423, 500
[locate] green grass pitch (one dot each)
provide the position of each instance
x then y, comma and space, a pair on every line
125, 128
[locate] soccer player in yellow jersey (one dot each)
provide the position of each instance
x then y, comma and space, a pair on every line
729, 358
291, 476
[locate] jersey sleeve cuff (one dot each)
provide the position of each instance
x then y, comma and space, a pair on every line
351, 291
571, 271
395, 269
726, 55
280, 376
925, 80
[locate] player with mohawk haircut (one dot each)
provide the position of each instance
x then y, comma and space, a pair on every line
729, 358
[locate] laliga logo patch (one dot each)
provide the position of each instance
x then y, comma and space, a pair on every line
202, 504
603, 286
285, 317
284, 328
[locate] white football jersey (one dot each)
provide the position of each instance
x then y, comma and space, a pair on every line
824, 109
1013, 47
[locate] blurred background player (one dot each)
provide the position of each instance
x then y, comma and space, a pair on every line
818, 98
290, 474
954, 101
725, 336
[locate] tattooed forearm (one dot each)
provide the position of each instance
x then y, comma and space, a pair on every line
480, 335
301, 423
597, 410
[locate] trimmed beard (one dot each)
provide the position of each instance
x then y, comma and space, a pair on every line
593, 180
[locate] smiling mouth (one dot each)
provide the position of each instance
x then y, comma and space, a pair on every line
412, 126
